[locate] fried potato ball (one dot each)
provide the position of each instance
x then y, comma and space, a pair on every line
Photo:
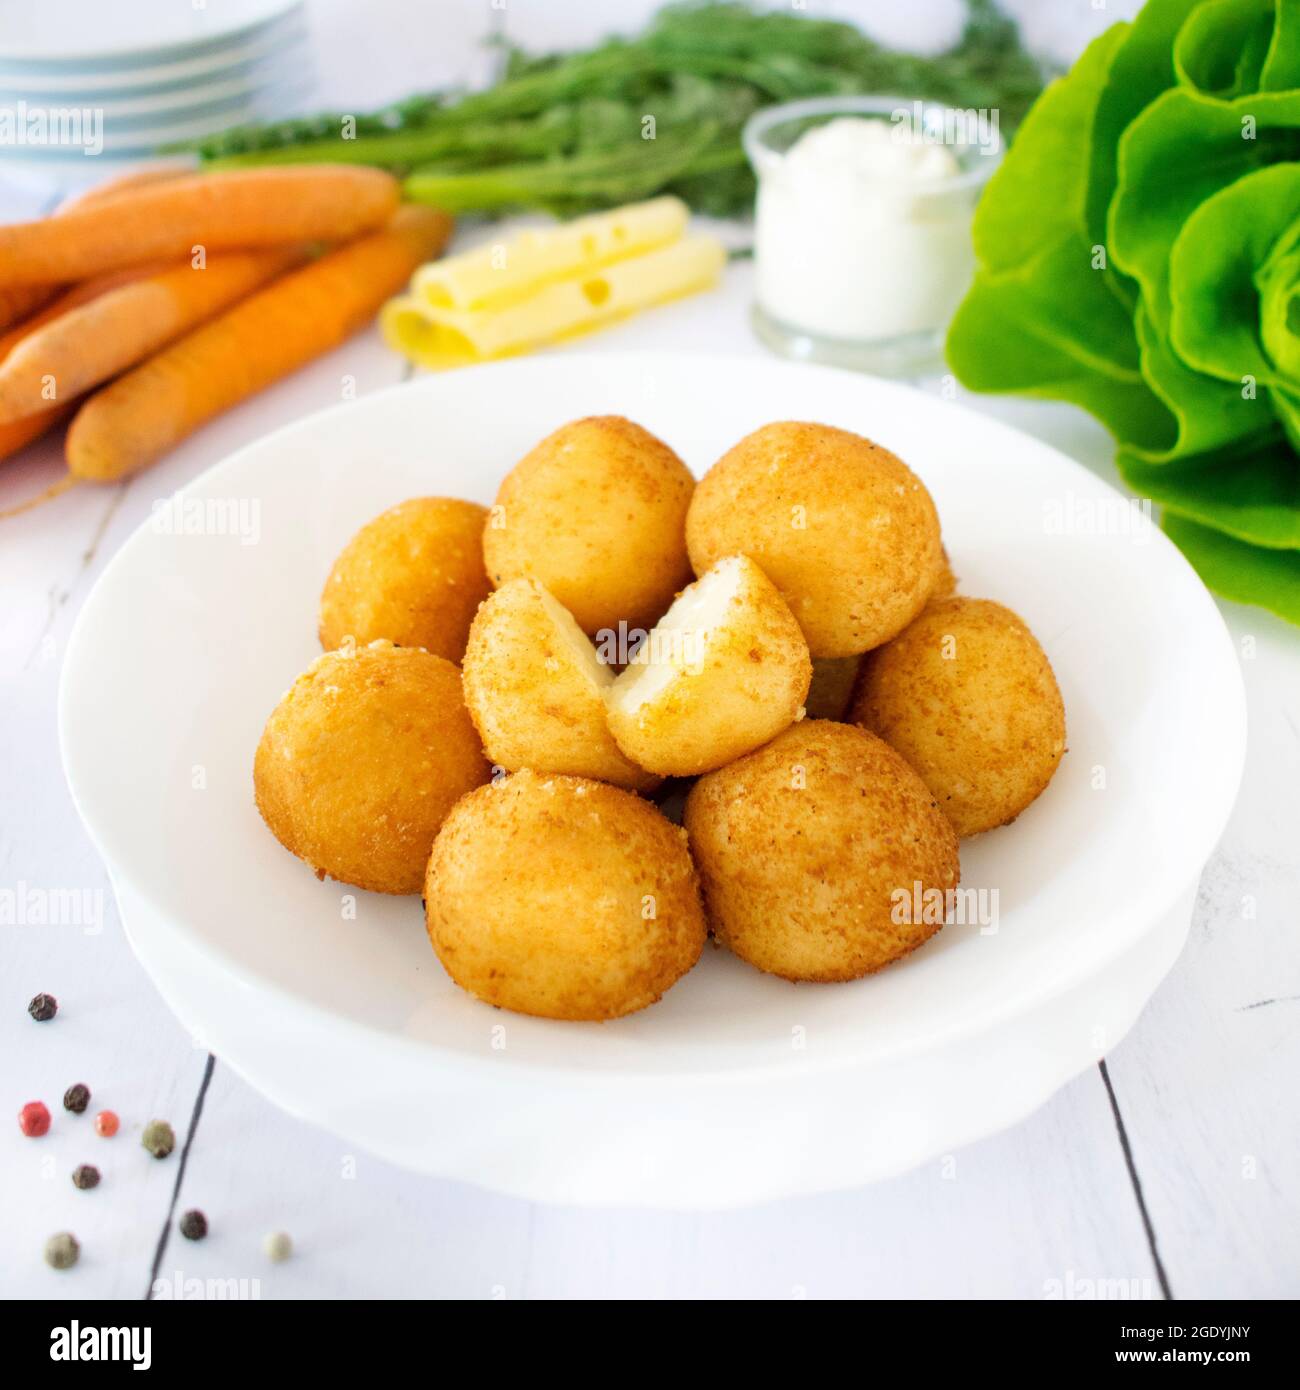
414, 576
362, 758
844, 529
725, 670
814, 850
597, 512
946, 584
831, 692
968, 697
562, 897
536, 690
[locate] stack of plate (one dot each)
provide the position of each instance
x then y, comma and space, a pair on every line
84, 84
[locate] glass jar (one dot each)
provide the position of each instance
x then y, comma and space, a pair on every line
862, 238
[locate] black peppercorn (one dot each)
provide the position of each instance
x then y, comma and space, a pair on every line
43, 1008
85, 1175
194, 1225
76, 1098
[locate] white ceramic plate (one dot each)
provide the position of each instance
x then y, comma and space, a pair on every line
150, 135
164, 102
661, 1144
90, 82
189, 639
90, 33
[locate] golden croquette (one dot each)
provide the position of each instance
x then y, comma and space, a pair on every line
844, 529
813, 851
414, 576
968, 697
725, 670
536, 689
597, 513
362, 758
831, 691
562, 897
945, 586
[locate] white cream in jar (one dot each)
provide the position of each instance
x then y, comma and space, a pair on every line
863, 231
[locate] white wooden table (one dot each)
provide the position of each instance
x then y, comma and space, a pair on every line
1171, 1166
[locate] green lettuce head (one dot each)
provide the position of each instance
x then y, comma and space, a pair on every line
1139, 255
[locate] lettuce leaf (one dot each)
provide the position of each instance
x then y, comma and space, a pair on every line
1228, 250
1282, 66
1245, 573
1208, 414
1041, 318
1141, 67
1139, 255
1222, 48
1210, 145
1253, 497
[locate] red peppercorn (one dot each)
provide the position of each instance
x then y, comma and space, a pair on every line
34, 1119
106, 1123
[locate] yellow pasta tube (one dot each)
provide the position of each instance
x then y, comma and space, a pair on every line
505, 271
443, 337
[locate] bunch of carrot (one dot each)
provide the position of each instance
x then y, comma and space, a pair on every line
149, 305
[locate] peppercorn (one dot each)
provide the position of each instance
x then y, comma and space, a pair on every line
76, 1098
34, 1119
62, 1250
194, 1225
43, 1007
106, 1123
85, 1175
158, 1138
278, 1247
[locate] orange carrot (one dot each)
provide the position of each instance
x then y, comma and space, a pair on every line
70, 299
87, 345
17, 304
19, 433
122, 183
137, 418
167, 220
15, 435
